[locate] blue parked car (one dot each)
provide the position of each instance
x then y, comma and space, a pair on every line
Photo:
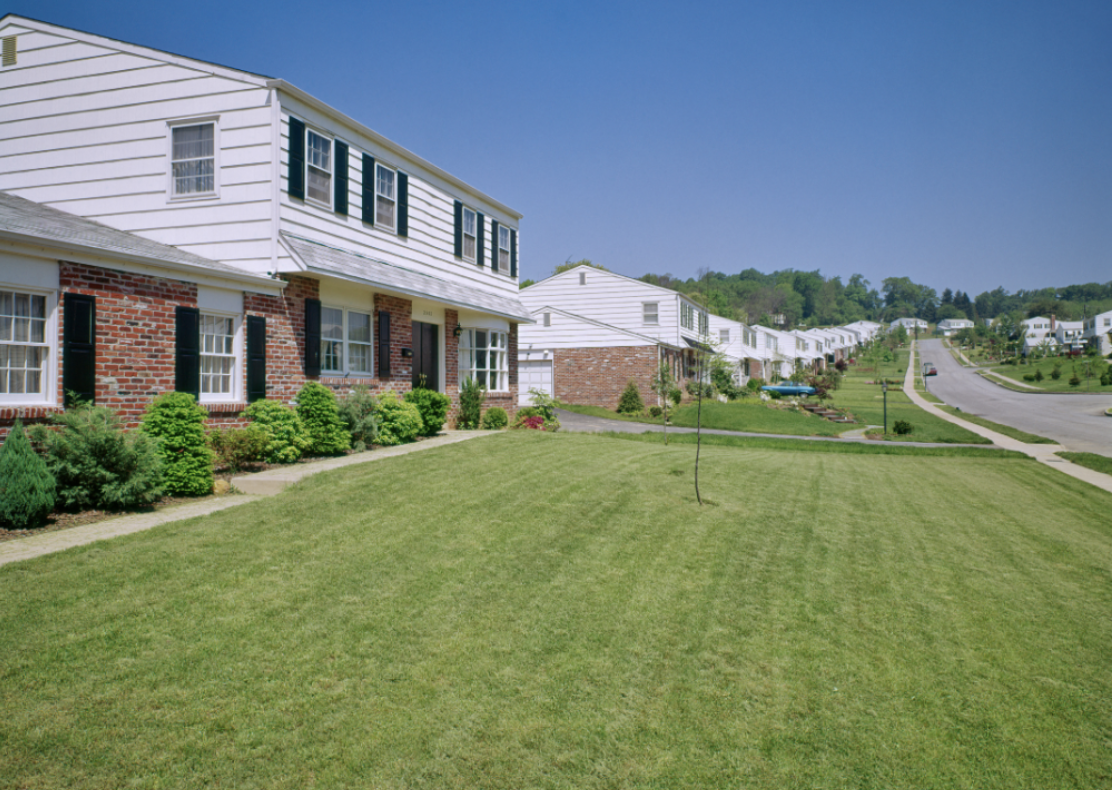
790, 389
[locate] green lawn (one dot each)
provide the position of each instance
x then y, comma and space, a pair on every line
1099, 463
551, 611
750, 414
1017, 372
1007, 430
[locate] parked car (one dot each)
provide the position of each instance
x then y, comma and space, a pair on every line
929, 369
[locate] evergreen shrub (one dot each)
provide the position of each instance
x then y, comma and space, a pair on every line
26, 485
471, 397
433, 406
238, 448
1039, 375
903, 427
630, 401
495, 419
357, 412
399, 422
96, 464
316, 406
177, 422
655, 411
286, 437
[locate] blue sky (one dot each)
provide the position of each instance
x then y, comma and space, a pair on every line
961, 144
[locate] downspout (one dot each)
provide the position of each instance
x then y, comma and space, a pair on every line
275, 177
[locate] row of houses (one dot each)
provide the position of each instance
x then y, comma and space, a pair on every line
594, 331
1049, 335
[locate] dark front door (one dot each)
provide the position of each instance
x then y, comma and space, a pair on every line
426, 356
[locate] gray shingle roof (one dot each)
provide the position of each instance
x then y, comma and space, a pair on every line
26, 219
353, 266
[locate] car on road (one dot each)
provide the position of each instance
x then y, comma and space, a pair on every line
929, 369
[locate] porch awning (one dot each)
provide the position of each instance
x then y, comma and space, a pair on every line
697, 345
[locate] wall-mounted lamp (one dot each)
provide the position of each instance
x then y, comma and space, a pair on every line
457, 331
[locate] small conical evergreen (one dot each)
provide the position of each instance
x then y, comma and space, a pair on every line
319, 413
26, 485
630, 402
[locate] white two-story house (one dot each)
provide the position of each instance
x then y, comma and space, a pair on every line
168, 223
594, 331
1098, 332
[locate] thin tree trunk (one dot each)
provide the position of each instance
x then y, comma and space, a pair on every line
699, 424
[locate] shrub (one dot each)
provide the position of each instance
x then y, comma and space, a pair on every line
1028, 376
316, 406
285, 433
1039, 375
527, 411
357, 413
177, 421
755, 384
774, 395
1056, 372
398, 422
656, 411
95, 464
903, 427
544, 403
26, 485
535, 423
630, 401
471, 397
237, 448
693, 389
1075, 380
495, 419
675, 395
433, 407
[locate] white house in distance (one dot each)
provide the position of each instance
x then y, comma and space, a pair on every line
1038, 331
866, 330
1069, 336
344, 257
738, 344
595, 331
1098, 332
949, 326
910, 324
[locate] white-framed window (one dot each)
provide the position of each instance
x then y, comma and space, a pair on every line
687, 316
724, 335
26, 342
503, 249
385, 198
218, 357
194, 171
345, 341
318, 167
483, 357
650, 313
704, 323
469, 233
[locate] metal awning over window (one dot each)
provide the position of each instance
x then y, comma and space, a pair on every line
697, 345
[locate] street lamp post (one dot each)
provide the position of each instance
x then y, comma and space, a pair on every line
884, 388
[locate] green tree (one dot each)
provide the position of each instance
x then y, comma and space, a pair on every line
565, 267
26, 486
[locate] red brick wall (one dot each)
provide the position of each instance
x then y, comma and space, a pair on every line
597, 376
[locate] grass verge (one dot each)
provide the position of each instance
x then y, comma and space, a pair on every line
1098, 463
1007, 430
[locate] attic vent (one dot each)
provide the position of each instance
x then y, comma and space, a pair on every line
548, 319
582, 276
8, 58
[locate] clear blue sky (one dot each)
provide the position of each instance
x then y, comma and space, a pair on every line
962, 144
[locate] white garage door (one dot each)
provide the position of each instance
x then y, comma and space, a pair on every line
535, 374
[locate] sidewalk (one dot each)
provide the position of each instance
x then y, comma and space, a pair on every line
255, 486
1043, 453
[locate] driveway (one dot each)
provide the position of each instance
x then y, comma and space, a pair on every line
1077, 422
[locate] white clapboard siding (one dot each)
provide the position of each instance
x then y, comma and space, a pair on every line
569, 331
61, 73
103, 85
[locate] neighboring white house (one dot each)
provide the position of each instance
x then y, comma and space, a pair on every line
593, 367
737, 343
390, 269
777, 350
909, 323
866, 329
1038, 332
1098, 332
949, 326
1069, 335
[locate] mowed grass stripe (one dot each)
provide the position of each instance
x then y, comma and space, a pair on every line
536, 610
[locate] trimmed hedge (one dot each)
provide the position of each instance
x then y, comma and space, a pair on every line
316, 406
177, 422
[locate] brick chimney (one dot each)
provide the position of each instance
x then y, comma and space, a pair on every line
1053, 321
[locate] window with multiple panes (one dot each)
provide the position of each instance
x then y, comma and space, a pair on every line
469, 233
503, 249
482, 356
704, 322
687, 316
193, 160
650, 313
318, 158
724, 335
218, 357
385, 199
345, 341
23, 346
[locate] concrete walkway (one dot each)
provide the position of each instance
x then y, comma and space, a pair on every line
255, 486
1043, 453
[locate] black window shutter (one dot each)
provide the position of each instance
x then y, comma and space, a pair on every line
480, 239
256, 358
187, 350
403, 204
494, 245
341, 180
459, 229
312, 337
79, 354
368, 189
383, 344
513, 253
296, 186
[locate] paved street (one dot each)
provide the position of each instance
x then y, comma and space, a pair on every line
1077, 422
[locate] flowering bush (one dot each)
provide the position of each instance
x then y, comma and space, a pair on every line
532, 423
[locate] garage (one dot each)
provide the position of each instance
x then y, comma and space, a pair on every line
534, 374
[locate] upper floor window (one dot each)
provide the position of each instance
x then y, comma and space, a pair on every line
503, 248
318, 157
24, 347
650, 312
724, 335
345, 337
469, 233
193, 160
385, 198
687, 316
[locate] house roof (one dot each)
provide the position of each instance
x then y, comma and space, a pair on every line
348, 265
29, 222
647, 338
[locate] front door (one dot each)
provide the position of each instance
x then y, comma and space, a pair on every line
426, 355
